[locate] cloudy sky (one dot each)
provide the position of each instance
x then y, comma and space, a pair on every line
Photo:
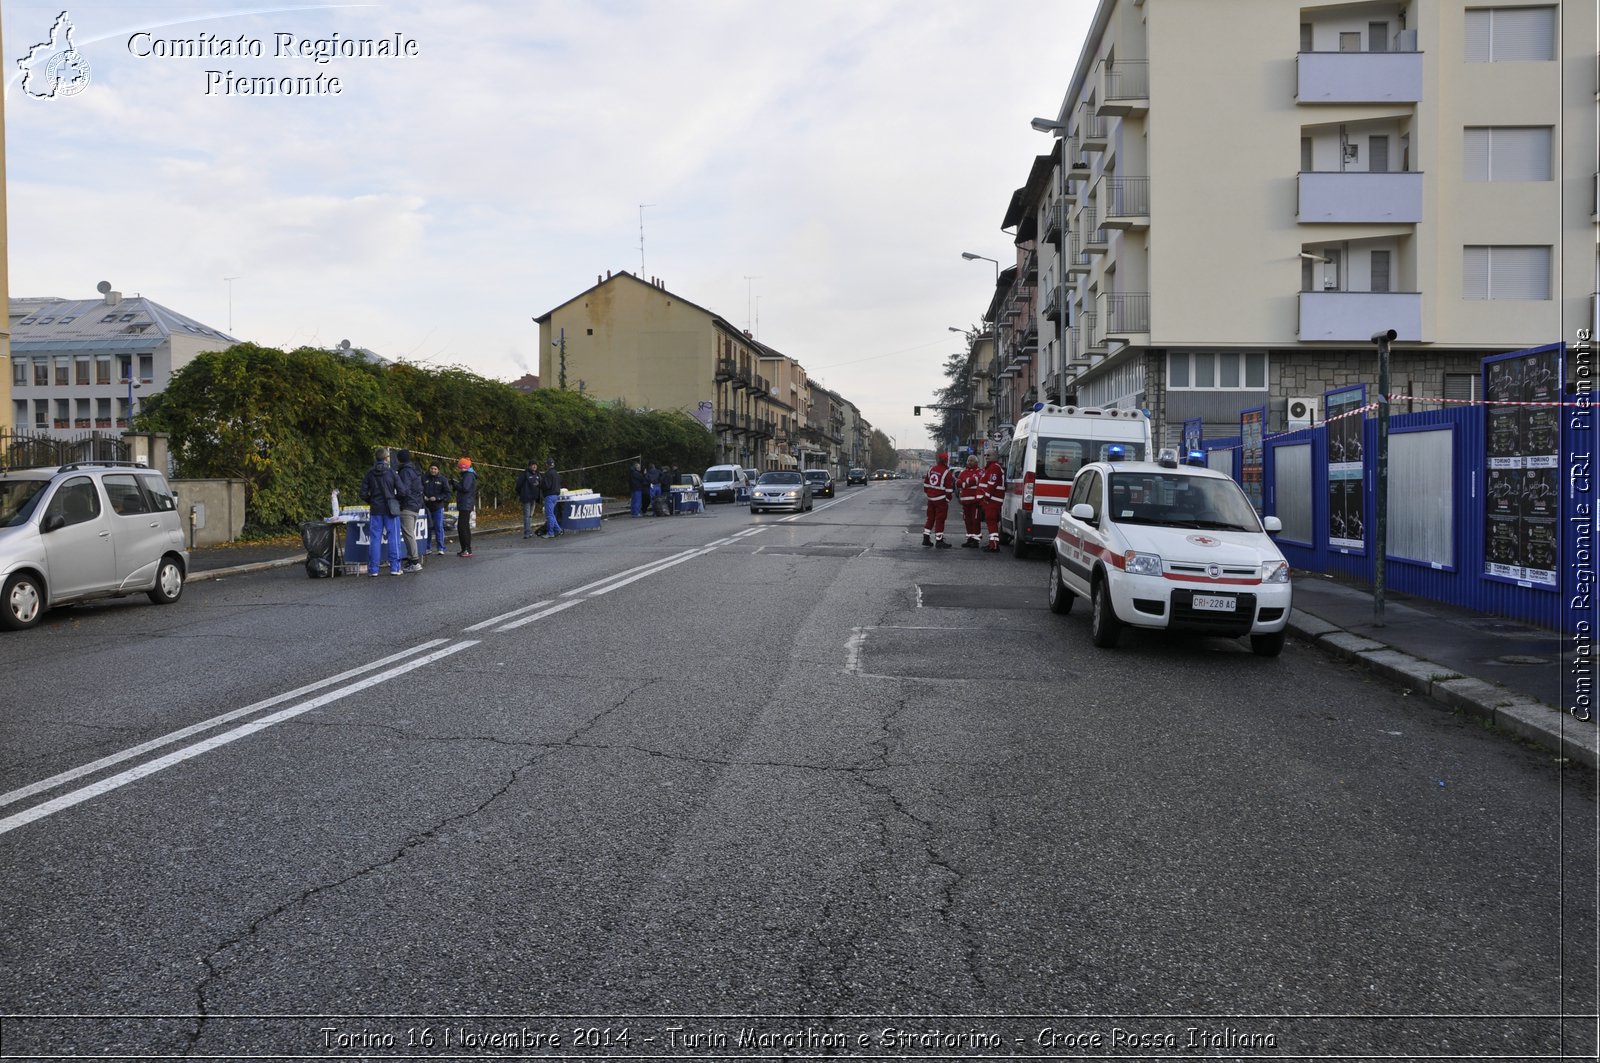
812, 168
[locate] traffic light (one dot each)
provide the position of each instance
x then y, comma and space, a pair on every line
916, 411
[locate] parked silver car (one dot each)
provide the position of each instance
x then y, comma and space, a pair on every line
83, 531
780, 490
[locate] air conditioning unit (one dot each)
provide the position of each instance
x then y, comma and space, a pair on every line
1302, 412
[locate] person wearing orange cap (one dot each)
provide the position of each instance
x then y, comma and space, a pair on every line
466, 488
939, 484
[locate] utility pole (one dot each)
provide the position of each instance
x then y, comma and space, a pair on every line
1380, 546
230, 281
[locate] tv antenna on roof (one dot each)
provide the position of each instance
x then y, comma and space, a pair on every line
641, 237
748, 314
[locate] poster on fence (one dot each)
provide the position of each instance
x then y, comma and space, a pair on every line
1346, 425
1251, 455
1522, 443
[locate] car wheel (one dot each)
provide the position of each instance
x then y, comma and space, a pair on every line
169, 582
23, 602
1104, 627
1019, 545
1267, 645
1005, 536
1060, 598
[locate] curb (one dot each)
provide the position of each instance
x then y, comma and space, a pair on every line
1522, 716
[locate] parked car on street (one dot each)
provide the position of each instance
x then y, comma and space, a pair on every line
726, 483
855, 476
1163, 545
784, 489
821, 481
83, 531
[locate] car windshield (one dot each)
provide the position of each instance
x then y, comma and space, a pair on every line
816, 474
780, 478
1177, 501
718, 475
1060, 458
18, 499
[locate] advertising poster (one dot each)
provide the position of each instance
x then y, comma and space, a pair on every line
1346, 426
1522, 437
1251, 424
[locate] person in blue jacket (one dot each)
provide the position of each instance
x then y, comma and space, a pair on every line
466, 488
550, 485
636, 488
435, 495
380, 489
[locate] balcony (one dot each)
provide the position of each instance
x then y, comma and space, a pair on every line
1094, 132
1124, 88
1030, 267
1127, 202
1055, 302
725, 420
1360, 197
759, 385
1126, 316
1094, 339
1077, 162
1096, 237
1359, 77
1078, 260
1055, 218
1355, 316
1028, 338
726, 369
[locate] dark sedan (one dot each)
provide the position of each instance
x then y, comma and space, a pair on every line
821, 481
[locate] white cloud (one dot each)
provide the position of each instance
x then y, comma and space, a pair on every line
842, 152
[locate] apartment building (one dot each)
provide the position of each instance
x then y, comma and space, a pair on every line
635, 342
1243, 191
86, 364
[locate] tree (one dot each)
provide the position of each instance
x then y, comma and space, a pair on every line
882, 451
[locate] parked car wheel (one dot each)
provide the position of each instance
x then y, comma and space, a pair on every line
23, 602
1060, 598
1019, 545
1104, 627
169, 582
1269, 645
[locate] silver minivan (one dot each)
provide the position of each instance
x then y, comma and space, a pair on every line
83, 531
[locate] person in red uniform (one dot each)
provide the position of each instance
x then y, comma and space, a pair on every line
993, 478
971, 491
938, 485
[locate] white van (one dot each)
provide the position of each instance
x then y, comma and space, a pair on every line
1049, 446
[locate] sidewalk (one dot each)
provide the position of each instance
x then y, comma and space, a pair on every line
1501, 671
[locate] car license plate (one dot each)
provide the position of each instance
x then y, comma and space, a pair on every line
1216, 603
1049, 511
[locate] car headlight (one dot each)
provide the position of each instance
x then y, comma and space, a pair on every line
1141, 564
1275, 572
791, 494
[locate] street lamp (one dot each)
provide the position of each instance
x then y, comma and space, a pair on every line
970, 257
1059, 130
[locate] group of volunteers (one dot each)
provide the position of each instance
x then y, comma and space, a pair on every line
534, 487
399, 493
981, 491
650, 489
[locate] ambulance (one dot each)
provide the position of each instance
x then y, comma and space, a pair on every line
1048, 447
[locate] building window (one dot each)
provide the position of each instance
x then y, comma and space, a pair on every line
19, 374
1510, 34
41, 373
1496, 272
81, 414
124, 368
1380, 271
81, 372
41, 414
1377, 36
102, 413
63, 413
102, 369
1222, 371
1349, 42
63, 372
1305, 37
1462, 387
1507, 153
146, 367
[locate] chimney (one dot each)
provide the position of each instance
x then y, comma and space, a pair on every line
608, 274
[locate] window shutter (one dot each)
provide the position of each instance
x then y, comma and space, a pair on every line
1519, 272
1462, 387
1475, 153
1476, 48
1377, 36
1519, 34
1378, 154
1380, 271
1305, 154
1349, 42
1475, 273
1520, 153
1305, 36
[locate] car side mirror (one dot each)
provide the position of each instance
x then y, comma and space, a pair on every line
1083, 511
53, 522
1272, 524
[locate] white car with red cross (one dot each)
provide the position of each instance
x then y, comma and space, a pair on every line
1162, 545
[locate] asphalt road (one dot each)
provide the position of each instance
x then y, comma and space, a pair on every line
733, 787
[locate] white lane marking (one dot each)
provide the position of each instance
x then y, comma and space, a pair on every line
178, 756
653, 571
619, 575
750, 531
852, 649
505, 616
205, 725
538, 616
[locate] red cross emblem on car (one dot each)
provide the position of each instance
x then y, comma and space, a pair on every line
1203, 540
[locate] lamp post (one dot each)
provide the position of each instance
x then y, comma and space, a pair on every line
970, 257
1059, 131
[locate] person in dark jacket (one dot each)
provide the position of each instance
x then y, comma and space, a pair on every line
380, 489
435, 496
410, 478
466, 489
652, 484
550, 485
529, 492
635, 488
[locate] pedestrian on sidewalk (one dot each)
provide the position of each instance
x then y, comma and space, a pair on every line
636, 489
410, 478
529, 494
435, 496
550, 486
466, 488
380, 490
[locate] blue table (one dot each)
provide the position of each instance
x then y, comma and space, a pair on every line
577, 512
